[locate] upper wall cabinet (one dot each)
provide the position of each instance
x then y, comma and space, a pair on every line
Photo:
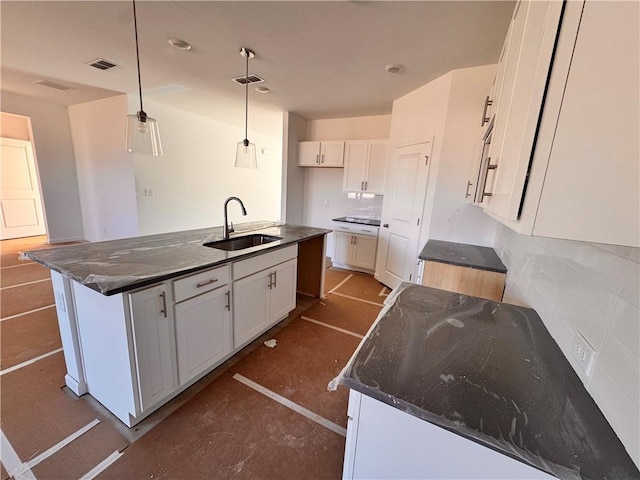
321, 154
570, 170
365, 164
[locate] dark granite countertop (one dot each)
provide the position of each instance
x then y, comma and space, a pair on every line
117, 266
361, 221
490, 372
461, 254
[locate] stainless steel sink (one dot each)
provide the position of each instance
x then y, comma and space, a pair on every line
240, 243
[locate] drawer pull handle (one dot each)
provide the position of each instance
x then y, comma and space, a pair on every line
206, 282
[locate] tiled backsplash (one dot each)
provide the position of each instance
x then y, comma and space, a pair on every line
593, 289
364, 205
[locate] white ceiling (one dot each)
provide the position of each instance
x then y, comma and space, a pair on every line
319, 59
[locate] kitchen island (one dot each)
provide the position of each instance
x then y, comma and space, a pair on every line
446, 385
142, 319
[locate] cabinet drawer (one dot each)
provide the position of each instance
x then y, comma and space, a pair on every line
200, 282
265, 260
355, 228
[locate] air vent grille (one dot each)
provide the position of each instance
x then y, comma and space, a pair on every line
58, 86
250, 79
102, 64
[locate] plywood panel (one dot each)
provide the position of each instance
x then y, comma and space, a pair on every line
469, 281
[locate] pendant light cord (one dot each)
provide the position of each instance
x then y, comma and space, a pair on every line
135, 28
246, 99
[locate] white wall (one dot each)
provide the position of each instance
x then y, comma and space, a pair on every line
295, 128
351, 128
105, 169
593, 289
454, 219
56, 166
196, 173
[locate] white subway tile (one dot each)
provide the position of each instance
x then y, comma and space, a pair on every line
625, 325
542, 292
621, 413
622, 366
631, 284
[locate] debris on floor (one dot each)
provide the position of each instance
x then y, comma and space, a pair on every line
271, 343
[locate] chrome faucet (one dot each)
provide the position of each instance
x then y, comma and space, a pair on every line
226, 229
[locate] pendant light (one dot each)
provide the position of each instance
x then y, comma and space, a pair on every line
245, 151
142, 134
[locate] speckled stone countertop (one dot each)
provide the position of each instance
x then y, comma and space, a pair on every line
117, 266
361, 221
461, 254
490, 372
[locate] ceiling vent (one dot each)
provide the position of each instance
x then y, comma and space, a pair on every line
102, 64
50, 84
250, 79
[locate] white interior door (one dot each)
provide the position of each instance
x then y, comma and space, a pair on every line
402, 213
20, 202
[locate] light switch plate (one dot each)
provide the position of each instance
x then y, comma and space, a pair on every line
584, 353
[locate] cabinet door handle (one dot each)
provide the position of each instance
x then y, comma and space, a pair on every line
163, 296
322, 158
275, 279
228, 305
270, 281
366, 185
467, 194
206, 282
361, 185
385, 225
487, 103
484, 182
318, 159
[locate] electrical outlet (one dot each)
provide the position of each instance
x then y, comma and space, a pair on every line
583, 353
148, 192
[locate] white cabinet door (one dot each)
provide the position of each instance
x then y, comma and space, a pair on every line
309, 154
355, 171
332, 154
532, 38
343, 243
203, 332
251, 313
377, 153
364, 251
152, 341
283, 290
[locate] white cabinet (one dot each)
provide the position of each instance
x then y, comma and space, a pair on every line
572, 170
524, 70
321, 154
264, 292
203, 332
152, 330
419, 449
365, 163
355, 246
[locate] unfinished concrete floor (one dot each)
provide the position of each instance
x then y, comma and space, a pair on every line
265, 413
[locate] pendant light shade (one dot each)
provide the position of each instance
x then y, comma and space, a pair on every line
142, 135
246, 151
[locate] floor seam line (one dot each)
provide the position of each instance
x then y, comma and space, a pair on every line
18, 265
332, 327
12, 462
26, 313
60, 445
358, 299
341, 283
291, 405
29, 362
26, 283
102, 466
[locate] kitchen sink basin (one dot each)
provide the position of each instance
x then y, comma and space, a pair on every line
240, 243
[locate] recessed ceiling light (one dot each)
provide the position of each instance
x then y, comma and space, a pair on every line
393, 68
262, 90
180, 44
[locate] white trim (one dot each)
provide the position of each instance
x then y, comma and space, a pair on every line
103, 465
358, 299
341, 283
29, 362
383, 292
26, 283
58, 446
333, 327
27, 313
293, 406
12, 462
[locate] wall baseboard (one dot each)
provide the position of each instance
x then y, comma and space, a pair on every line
66, 239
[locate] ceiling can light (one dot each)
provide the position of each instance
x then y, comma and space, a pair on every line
245, 151
179, 44
142, 134
393, 68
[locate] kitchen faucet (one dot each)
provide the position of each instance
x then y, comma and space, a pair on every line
226, 230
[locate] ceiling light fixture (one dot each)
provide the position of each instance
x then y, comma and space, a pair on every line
393, 68
262, 90
245, 151
142, 134
180, 44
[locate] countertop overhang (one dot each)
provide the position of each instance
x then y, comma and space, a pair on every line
490, 372
116, 266
462, 255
